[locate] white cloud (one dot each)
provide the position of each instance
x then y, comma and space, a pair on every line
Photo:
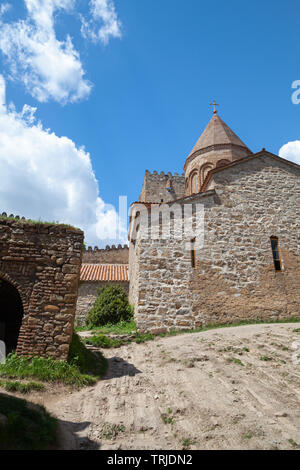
4, 7
102, 12
47, 177
49, 68
291, 151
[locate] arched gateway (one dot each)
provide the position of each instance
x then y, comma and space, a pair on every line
39, 277
11, 314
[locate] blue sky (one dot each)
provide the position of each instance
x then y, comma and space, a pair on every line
151, 82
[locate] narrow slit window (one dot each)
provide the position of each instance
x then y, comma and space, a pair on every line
276, 253
193, 254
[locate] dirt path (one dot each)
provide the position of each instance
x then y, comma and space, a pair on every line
231, 388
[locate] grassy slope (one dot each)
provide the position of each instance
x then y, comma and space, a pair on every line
83, 367
26, 427
101, 340
122, 327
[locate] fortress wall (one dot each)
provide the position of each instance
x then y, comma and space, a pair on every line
162, 187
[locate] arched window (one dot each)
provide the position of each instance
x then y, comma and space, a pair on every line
194, 184
204, 170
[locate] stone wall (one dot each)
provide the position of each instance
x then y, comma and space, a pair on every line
234, 278
87, 294
109, 255
43, 262
162, 187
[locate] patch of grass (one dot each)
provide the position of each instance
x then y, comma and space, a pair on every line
27, 427
87, 362
36, 222
130, 327
296, 330
105, 342
248, 435
213, 326
266, 358
83, 367
235, 361
141, 338
166, 418
47, 370
111, 431
187, 442
16, 386
123, 327
293, 443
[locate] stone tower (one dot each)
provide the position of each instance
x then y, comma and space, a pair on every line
217, 146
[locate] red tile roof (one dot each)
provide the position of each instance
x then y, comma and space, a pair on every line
104, 272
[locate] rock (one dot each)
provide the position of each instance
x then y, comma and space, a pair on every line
281, 415
51, 308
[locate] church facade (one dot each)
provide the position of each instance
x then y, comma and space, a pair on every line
231, 250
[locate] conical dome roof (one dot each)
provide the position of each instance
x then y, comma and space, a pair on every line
217, 135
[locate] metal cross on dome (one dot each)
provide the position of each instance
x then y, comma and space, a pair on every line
214, 104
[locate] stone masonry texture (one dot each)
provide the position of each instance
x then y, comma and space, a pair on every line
162, 187
43, 262
234, 277
109, 255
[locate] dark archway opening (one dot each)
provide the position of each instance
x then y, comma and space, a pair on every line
11, 313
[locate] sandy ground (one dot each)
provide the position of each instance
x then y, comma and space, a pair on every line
230, 388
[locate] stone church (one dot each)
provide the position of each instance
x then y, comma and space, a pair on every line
231, 252
242, 261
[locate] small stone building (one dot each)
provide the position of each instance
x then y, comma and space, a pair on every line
100, 267
242, 261
39, 278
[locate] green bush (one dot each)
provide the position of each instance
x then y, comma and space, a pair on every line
111, 306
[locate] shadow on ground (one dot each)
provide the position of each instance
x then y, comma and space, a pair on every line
68, 433
69, 436
117, 367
